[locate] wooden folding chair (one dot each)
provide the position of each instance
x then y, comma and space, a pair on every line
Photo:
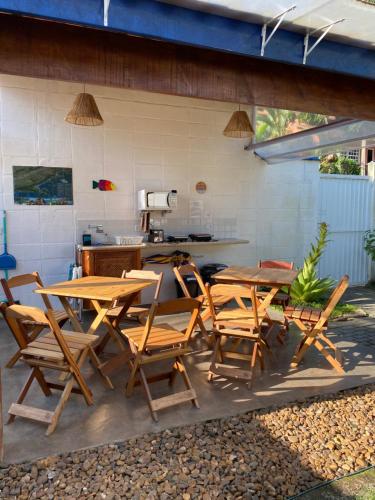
138, 312
58, 350
192, 270
240, 325
282, 298
313, 323
153, 343
31, 328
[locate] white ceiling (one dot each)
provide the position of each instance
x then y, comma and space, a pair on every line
357, 29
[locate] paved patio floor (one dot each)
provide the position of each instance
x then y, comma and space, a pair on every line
114, 417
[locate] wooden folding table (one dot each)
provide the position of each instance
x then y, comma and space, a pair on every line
103, 293
258, 276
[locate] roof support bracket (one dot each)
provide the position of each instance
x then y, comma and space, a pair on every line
105, 11
326, 29
280, 19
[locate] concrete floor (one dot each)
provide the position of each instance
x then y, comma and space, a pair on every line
114, 417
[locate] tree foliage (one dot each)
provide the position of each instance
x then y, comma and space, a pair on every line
339, 164
273, 123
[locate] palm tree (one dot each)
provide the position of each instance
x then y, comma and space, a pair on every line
272, 123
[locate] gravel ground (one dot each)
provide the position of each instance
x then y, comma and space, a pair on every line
271, 453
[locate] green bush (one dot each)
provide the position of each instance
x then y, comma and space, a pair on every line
308, 287
339, 164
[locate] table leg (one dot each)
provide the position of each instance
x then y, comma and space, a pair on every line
268, 299
103, 318
72, 315
122, 358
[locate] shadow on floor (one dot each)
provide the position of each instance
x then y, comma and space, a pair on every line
115, 417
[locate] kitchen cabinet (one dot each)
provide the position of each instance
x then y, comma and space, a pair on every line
99, 261
109, 262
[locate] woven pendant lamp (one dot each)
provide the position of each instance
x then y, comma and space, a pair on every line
84, 111
239, 125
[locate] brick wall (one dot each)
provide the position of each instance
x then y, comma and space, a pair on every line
148, 141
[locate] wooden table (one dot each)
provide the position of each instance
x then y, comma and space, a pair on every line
103, 293
257, 276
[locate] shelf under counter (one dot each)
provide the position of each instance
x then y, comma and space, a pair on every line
224, 241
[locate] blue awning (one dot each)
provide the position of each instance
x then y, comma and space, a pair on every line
153, 19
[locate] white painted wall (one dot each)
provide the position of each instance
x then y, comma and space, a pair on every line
147, 141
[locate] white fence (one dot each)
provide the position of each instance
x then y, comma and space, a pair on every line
346, 204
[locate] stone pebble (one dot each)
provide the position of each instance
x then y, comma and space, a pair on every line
270, 453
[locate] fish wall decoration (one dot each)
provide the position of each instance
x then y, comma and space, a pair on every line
103, 185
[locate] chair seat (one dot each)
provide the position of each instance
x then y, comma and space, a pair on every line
218, 300
233, 314
240, 333
134, 311
59, 316
162, 335
279, 297
307, 314
47, 347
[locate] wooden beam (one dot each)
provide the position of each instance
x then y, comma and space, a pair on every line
63, 52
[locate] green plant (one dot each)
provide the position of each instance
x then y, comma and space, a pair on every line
272, 123
369, 240
338, 164
308, 287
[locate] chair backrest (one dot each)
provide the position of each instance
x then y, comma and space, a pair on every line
146, 275
189, 270
333, 300
170, 307
236, 292
275, 264
17, 314
23, 280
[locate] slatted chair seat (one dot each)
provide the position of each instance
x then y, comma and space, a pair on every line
233, 314
47, 347
60, 316
250, 333
279, 298
304, 313
241, 317
161, 335
134, 312
219, 300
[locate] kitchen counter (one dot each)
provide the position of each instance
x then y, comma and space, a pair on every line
225, 241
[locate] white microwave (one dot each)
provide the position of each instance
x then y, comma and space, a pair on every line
157, 200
